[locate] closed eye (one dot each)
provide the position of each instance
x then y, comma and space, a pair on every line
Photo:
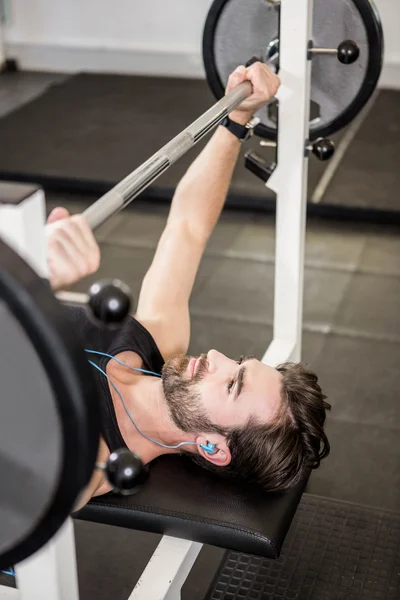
240, 376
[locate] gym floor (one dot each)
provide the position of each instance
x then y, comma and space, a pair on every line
351, 338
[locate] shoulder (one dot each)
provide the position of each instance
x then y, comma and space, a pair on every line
166, 337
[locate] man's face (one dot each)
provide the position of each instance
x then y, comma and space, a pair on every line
213, 393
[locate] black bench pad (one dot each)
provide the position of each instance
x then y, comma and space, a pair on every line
184, 501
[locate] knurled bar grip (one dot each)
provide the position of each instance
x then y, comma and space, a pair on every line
129, 188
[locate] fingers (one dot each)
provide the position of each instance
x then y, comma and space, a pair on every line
91, 245
72, 249
57, 214
264, 81
59, 265
237, 77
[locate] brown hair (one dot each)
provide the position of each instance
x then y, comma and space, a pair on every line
279, 454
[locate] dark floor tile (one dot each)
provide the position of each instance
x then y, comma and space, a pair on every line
336, 244
238, 290
7, 102
382, 251
323, 293
144, 227
130, 265
24, 80
383, 118
327, 243
134, 228
245, 290
371, 305
257, 238
362, 153
234, 339
368, 175
19, 88
229, 227
110, 559
312, 347
229, 337
102, 232
363, 466
361, 378
364, 189
202, 573
376, 142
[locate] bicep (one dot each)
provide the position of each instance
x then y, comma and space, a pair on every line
163, 305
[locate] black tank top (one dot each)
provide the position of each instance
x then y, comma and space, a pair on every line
131, 336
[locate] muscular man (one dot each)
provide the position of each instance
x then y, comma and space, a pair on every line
241, 418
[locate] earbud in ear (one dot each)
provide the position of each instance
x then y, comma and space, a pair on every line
209, 448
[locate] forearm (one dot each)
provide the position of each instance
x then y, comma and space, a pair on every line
201, 194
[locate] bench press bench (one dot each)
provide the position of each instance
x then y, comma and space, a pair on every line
182, 500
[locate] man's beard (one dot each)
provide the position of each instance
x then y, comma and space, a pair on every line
183, 399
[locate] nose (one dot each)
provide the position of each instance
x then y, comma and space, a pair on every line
217, 360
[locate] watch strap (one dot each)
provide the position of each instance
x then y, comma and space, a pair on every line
240, 131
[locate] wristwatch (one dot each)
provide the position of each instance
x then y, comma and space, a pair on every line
242, 132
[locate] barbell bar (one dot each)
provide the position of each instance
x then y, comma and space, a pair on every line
136, 182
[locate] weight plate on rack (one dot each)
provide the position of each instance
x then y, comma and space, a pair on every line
238, 30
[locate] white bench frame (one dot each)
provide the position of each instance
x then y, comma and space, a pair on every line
51, 573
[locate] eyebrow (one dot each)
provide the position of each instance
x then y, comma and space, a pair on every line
240, 382
241, 374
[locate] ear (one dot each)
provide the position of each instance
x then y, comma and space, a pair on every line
221, 457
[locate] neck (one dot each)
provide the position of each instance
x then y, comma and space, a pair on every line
145, 401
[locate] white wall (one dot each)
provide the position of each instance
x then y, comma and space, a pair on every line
124, 35
170, 24
2, 41
389, 11
2, 48
136, 36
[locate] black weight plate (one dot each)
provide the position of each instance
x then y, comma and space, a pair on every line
237, 30
49, 425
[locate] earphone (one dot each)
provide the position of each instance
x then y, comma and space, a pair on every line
209, 447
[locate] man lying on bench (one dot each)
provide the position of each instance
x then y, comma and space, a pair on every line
241, 418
